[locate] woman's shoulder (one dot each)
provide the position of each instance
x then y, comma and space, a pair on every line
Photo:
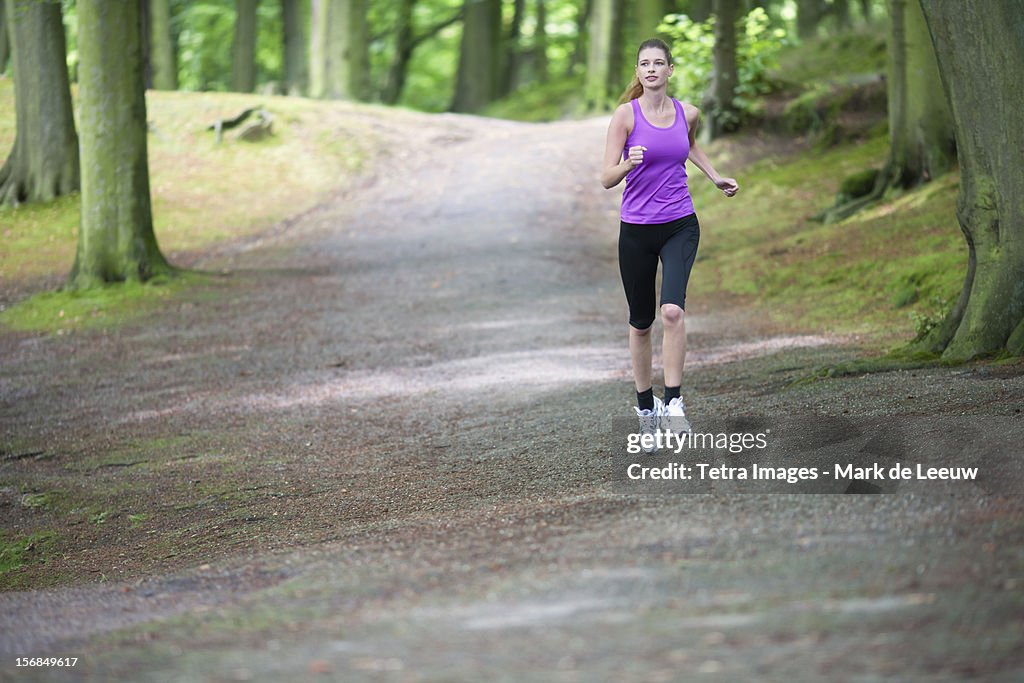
624, 114
691, 112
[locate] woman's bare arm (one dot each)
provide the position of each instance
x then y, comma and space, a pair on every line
615, 168
700, 159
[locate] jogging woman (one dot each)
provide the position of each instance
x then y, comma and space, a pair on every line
650, 137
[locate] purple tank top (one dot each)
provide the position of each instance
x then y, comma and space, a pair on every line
656, 190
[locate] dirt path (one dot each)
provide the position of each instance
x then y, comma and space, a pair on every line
384, 439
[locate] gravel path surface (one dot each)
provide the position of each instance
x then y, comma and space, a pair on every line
418, 380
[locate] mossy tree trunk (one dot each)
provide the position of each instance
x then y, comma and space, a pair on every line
294, 40
841, 12
865, 10
540, 43
719, 106
338, 63
5, 45
115, 237
581, 46
43, 163
401, 55
922, 142
346, 50
601, 74
513, 50
479, 74
405, 44
980, 52
808, 16
318, 16
243, 49
162, 57
699, 10
649, 14
358, 51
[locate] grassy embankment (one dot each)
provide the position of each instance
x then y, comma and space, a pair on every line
203, 194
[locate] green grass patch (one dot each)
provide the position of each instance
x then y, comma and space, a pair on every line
107, 306
19, 551
137, 520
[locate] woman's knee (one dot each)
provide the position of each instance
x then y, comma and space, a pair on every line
640, 332
671, 315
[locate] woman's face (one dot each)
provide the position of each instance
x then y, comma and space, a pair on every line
652, 67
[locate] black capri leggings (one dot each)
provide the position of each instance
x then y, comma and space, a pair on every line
640, 247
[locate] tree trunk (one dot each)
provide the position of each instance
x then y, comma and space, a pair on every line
617, 76
405, 44
358, 52
511, 78
5, 45
347, 57
165, 69
808, 16
981, 62
243, 65
318, 31
604, 19
479, 56
649, 14
865, 10
922, 141
43, 163
402, 53
700, 10
719, 108
582, 44
294, 41
337, 76
841, 10
147, 65
540, 43
115, 238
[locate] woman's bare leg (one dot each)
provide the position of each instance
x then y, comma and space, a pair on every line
640, 353
673, 350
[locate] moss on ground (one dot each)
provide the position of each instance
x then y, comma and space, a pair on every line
18, 551
62, 311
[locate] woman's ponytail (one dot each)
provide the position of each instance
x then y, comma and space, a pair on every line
633, 91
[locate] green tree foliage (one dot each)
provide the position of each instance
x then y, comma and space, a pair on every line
757, 49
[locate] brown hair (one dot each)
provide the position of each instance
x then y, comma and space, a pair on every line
635, 88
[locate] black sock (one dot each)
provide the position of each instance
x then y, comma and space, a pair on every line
645, 399
671, 393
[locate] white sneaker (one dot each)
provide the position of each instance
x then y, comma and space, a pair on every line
674, 419
650, 421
